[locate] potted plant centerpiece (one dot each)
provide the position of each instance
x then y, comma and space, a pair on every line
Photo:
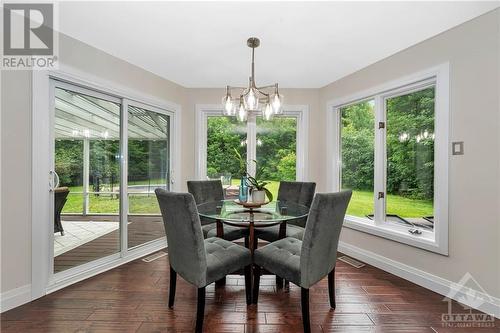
259, 191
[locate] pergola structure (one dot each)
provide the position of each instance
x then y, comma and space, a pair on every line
87, 118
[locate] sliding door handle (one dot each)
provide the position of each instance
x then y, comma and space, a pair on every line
53, 180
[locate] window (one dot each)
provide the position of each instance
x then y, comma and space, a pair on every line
410, 158
224, 136
277, 146
357, 155
276, 150
392, 151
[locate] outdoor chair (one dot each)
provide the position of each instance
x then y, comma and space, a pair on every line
60, 198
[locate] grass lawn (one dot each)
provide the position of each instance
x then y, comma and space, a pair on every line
361, 203
106, 204
110, 204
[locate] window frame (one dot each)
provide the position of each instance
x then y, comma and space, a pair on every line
300, 112
436, 240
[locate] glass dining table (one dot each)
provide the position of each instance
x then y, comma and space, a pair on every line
232, 213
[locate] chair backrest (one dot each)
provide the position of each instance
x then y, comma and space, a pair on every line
298, 192
186, 248
301, 193
205, 190
321, 237
60, 195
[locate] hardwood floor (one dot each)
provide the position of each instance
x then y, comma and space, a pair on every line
133, 298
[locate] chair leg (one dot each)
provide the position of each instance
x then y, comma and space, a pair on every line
331, 288
256, 281
246, 242
221, 282
173, 283
200, 311
304, 299
248, 283
279, 282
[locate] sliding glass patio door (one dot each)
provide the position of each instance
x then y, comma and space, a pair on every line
109, 155
148, 169
87, 164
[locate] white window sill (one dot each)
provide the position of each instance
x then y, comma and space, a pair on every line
426, 240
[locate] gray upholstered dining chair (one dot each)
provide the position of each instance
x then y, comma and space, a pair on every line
306, 262
210, 191
199, 262
297, 192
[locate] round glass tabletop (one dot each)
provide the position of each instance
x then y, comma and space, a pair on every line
272, 213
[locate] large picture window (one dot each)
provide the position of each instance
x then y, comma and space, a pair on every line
277, 145
392, 153
408, 140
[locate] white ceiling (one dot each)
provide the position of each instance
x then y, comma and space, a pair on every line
303, 45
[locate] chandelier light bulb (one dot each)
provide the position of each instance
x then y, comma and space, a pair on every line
228, 105
251, 99
277, 103
267, 112
242, 113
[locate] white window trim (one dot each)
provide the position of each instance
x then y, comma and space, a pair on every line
436, 241
43, 279
301, 112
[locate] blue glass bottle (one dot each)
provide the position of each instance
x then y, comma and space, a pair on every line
243, 194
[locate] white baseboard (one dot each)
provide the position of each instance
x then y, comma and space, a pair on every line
15, 297
465, 295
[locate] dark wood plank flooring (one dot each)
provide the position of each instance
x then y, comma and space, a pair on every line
133, 298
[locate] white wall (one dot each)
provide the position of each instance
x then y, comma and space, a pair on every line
472, 49
16, 180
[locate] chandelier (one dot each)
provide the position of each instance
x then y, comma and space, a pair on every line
266, 100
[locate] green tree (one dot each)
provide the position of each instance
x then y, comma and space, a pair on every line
358, 146
410, 144
224, 134
69, 161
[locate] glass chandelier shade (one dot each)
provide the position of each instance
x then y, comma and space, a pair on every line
242, 113
267, 112
227, 102
277, 103
253, 99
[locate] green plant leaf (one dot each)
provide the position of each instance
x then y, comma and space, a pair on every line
268, 194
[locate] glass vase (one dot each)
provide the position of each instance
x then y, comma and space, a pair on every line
243, 193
